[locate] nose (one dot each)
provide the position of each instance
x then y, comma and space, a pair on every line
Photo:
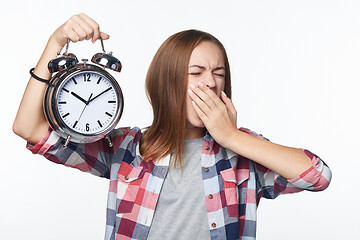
209, 80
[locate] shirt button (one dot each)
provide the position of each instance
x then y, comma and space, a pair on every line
207, 148
127, 177
213, 225
210, 196
206, 169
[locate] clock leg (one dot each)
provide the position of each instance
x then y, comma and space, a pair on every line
109, 140
67, 141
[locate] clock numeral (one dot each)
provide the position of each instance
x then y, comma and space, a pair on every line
99, 123
75, 124
99, 80
87, 77
111, 101
87, 127
108, 114
65, 115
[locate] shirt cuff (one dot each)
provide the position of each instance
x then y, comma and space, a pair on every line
314, 177
44, 144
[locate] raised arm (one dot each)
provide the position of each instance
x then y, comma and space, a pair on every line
219, 118
30, 122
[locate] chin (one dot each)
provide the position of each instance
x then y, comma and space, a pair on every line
194, 129
194, 123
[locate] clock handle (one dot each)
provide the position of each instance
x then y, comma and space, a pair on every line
68, 42
102, 44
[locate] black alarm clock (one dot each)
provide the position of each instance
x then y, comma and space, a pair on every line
83, 102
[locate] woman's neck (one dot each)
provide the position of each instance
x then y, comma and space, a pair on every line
195, 132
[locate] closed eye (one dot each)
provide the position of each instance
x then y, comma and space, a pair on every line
219, 75
195, 73
199, 73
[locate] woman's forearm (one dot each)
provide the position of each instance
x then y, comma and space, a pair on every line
285, 161
30, 122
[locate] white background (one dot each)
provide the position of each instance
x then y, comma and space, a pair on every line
295, 69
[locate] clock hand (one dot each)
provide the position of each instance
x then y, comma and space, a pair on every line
99, 94
86, 103
80, 98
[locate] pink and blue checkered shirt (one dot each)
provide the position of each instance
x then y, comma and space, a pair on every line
234, 183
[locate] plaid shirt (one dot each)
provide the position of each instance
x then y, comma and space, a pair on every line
233, 184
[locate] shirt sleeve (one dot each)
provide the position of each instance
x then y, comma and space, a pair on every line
95, 158
270, 184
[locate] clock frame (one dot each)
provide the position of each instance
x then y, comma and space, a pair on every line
67, 67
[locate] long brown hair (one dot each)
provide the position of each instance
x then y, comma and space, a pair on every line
166, 86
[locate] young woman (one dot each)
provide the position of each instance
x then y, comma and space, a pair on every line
192, 174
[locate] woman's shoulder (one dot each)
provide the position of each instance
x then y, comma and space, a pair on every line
132, 134
126, 131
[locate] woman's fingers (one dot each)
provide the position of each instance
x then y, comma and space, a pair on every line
208, 101
80, 32
104, 36
93, 29
211, 104
217, 113
199, 112
204, 95
79, 27
201, 104
230, 106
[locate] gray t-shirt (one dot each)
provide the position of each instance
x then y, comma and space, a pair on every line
181, 211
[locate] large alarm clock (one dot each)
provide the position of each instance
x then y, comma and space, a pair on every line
83, 102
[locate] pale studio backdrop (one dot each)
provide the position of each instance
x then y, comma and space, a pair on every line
295, 70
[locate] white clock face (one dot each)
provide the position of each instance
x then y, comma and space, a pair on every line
87, 102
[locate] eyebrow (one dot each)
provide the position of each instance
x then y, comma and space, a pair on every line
202, 67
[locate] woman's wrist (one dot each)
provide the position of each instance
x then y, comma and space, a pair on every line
53, 47
232, 140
